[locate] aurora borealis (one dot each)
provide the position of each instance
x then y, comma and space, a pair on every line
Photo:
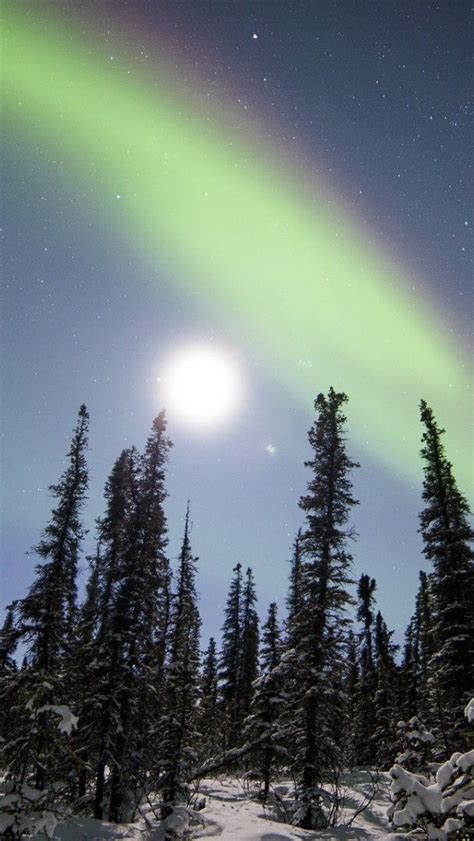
263, 247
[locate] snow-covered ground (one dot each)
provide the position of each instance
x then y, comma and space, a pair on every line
232, 814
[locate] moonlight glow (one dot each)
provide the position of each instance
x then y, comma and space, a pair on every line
201, 386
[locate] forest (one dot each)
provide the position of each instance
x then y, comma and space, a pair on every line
112, 708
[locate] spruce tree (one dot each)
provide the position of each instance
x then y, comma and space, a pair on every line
384, 735
365, 592
447, 540
320, 625
409, 673
249, 645
414, 700
182, 683
139, 628
153, 540
47, 613
209, 712
117, 530
352, 691
262, 727
365, 689
230, 660
83, 679
8, 674
423, 643
46, 623
8, 642
117, 535
294, 597
129, 646
270, 651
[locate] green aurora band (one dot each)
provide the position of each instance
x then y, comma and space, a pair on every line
267, 254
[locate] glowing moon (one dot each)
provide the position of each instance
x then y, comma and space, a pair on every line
201, 386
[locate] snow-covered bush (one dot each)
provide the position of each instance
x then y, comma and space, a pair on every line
469, 711
337, 804
441, 807
416, 742
183, 823
176, 825
25, 808
24, 812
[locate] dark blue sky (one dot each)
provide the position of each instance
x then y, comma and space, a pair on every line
374, 96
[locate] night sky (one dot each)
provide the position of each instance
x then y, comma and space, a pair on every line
287, 183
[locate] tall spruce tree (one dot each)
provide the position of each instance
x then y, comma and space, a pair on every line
8, 675
366, 684
295, 594
352, 691
209, 712
182, 683
262, 726
238, 666
248, 646
270, 651
46, 622
383, 736
124, 704
418, 649
82, 682
116, 530
409, 673
46, 615
117, 536
447, 540
320, 626
230, 660
8, 642
423, 643
140, 628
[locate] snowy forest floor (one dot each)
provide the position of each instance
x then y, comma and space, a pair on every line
232, 812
